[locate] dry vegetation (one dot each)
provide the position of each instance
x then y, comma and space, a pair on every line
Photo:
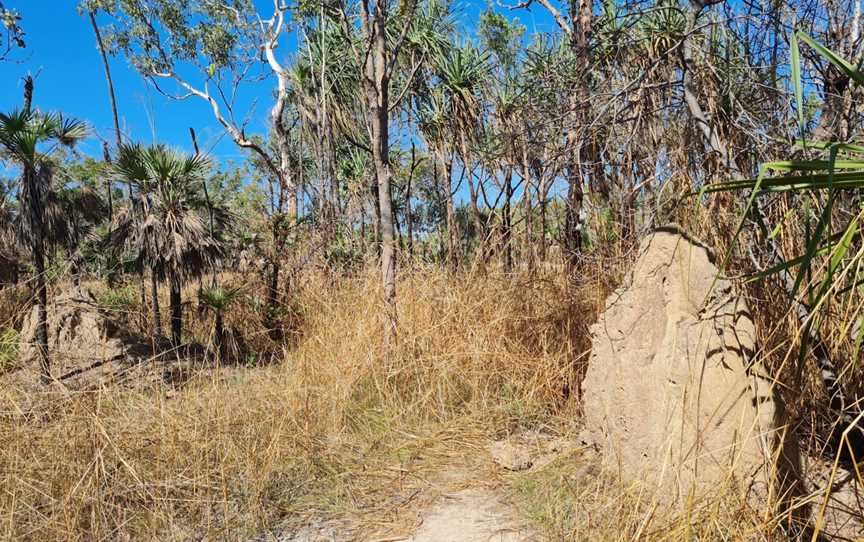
237, 450
337, 429
538, 160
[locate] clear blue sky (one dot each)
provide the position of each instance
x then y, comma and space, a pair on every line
61, 53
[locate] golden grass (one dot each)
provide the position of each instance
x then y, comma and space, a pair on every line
328, 432
341, 427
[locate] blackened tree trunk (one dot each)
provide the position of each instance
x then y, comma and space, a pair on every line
219, 335
506, 223
573, 220
176, 313
409, 219
34, 200
154, 304
37, 244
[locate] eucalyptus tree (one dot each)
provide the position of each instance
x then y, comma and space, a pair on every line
11, 32
27, 138
91, 7
377, 35
167, 228
208, 50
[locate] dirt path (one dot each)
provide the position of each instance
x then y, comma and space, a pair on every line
471, 515
467, 515
463, 503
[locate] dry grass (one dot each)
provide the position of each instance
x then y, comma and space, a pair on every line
332, 431
572, 499
341, 427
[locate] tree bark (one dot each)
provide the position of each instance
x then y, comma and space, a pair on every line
506, 223
409, 219
453, 253
154, 304
117, 136
176, 313
106, 156
42, 314
219, 336
573, 220
37, 243
377, 86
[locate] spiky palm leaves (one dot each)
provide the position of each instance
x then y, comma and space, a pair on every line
26, 138
463, 72
218, 300
166, 229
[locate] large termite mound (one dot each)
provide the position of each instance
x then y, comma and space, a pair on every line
672, 395
87, 346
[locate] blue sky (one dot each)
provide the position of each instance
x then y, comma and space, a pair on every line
61, 53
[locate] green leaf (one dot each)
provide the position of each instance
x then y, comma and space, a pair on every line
821, 181
813, 165
833, 57
844, 244
821, 227
825, 145
858, 338
787, 265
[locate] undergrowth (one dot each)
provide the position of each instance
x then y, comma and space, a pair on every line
341, 425
240, 451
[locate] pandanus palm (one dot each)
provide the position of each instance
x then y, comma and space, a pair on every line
463, 72
167, 229
27, 138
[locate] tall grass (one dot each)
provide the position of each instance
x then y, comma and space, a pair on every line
341, 427
240, 451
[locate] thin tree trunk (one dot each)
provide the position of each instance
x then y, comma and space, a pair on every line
118, 137
107, 157
37, 243
580, 38
209, 203
573, 220
42, 314
154, 304
479, 224
219, 339
529, 226
506, 231
273, 288
176, 313
452, 224
363, 229
28, 93
38, 246
378, 101
409, 220
543, 242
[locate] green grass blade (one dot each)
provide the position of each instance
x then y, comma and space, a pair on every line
833, 58
818, 235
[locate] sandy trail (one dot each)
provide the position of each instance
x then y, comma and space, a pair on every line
471, 515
